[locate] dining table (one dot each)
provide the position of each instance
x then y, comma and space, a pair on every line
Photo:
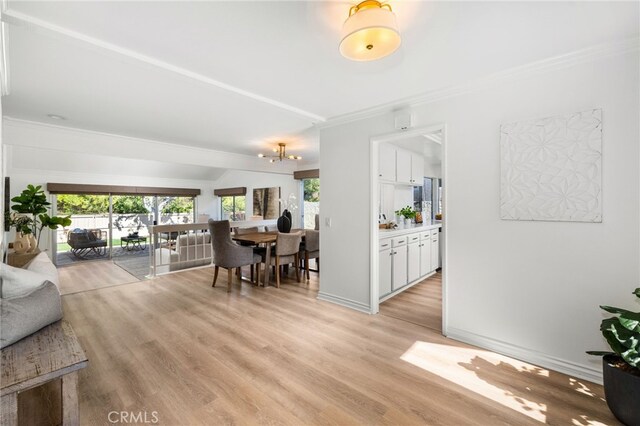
266, 239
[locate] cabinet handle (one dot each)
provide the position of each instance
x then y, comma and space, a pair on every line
380, 175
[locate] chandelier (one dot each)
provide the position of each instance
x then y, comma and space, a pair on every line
280, 153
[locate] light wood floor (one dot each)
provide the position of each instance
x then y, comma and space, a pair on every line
199, 355
92, 275
420, 304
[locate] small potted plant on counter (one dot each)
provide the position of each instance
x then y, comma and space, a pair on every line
407, 213
621, 367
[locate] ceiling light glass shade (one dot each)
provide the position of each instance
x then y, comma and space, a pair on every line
370, 33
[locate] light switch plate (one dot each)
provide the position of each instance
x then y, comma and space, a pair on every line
327, 222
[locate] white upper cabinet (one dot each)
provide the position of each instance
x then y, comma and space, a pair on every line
399, 165
403, 166
387, 162
417, 169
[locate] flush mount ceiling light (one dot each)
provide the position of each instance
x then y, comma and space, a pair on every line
55, 117
280, 153
370, 32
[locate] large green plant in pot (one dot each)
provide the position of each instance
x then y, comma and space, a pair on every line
621, 367
34, 201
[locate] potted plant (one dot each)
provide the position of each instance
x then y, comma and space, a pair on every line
407, 213
33, 203
621, 367
23, 223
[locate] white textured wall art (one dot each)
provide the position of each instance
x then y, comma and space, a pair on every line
551, 168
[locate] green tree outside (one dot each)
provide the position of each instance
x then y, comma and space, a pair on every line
312, 190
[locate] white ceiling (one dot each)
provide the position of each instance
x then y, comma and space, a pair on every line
237, 76
27, 158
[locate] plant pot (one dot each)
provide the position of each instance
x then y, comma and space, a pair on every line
621, 390
33, 243
21, 243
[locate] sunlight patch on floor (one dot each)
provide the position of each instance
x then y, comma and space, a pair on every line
462, 366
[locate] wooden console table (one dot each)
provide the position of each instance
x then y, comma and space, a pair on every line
49, 354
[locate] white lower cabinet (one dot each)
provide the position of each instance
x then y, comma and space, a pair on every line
425, 255
384, 268
413, 258
404, 260
399, 264
435, 249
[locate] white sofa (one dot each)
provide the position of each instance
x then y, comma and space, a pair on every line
29, 299
190, 250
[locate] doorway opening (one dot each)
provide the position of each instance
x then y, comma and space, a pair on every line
408, 261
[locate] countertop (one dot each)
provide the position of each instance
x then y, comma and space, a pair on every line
388, 233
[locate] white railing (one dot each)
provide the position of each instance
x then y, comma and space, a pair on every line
176, 247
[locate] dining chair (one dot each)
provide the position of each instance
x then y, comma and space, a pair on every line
271, 228
244, 231
286, 251
317, 222
310, 249
229, 255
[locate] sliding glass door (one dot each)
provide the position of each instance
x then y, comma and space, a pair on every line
115, 226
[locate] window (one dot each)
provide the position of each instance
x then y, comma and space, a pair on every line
311, 201
432, 195
232, 207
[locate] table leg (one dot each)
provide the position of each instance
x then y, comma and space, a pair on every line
9, 410
267, 263
70, 414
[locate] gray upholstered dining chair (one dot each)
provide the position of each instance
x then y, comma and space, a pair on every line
227, 254
286, 251
311, 249
244, 231
271, 228
317, 222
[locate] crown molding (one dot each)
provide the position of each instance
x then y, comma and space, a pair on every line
111, 144
18, 18
577, 57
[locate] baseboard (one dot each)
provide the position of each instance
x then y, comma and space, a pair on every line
407, 287
352, 304
527, 355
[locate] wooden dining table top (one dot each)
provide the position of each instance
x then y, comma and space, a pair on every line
262, 237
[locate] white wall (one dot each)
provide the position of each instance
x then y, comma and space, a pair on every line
530, 289
239, 178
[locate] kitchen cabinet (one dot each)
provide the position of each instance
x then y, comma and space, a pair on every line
425, 254
399, 165
413, 258
403, 166
384, 267
435, 249
399, 263
406, 259
387, 162
417, 169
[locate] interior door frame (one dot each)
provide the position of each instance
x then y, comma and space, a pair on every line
375, 142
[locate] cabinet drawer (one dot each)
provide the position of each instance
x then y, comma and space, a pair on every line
413, 238
399, 241
425, 236
435, 232
385, 244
